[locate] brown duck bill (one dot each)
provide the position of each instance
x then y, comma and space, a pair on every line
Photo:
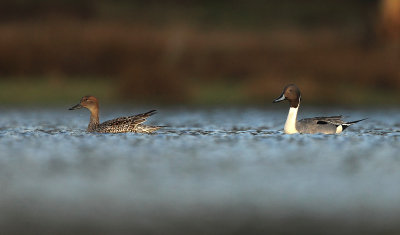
78, 106
279, 99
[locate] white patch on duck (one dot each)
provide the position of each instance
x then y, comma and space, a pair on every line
290, 125
339, 129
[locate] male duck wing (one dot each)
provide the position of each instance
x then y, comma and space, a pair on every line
335, 120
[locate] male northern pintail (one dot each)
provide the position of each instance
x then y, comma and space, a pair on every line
325, 125
118, 125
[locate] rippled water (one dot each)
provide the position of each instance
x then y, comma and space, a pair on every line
219, 171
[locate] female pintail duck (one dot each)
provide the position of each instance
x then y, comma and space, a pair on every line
325, 125
118, 125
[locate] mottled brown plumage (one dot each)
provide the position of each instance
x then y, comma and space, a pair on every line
118, 125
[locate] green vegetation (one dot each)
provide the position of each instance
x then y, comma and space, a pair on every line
59, 92
53, 91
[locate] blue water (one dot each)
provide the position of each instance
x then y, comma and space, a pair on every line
218, 171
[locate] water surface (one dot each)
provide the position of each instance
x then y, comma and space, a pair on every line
222, 170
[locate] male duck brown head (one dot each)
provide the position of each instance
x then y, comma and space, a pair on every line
290, 93
118, 125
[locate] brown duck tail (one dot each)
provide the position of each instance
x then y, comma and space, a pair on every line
149, 113
148, 129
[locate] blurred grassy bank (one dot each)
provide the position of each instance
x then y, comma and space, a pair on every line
50, 92
196, 53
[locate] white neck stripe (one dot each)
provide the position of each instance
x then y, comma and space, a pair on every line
290, 125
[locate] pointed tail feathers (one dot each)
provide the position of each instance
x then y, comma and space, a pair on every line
347, 124
149, 113
352, 122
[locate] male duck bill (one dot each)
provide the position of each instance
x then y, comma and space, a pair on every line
325, 125
118, 125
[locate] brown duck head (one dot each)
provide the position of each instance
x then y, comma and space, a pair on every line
89, 102
290, 93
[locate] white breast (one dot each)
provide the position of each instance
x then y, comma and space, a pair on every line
290, 125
